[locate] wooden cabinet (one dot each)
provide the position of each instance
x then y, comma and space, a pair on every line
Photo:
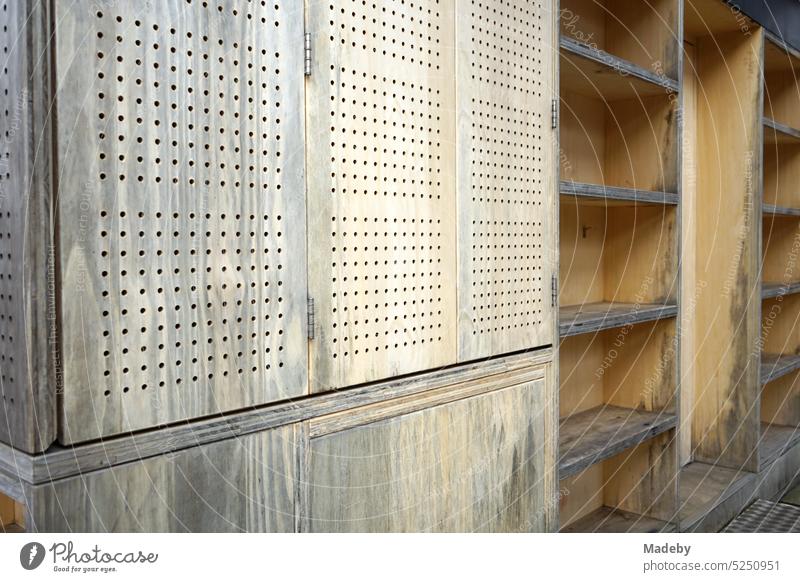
233, 217
471, 457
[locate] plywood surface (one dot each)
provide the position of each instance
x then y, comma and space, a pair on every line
235, 485
477, 464
597, 434
181, 211
506, 177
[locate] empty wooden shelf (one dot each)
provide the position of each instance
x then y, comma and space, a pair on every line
703, 487
780, 210
776, 439
594, 435
609, 520
609, 195
592, 69
778, 133
593, 317
775, 366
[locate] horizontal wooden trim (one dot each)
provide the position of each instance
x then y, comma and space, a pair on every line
622, 67
781, 133
775, 440
594, 435
594, 317
62, 462
774, 366
780, 210
609, 520
614, 194
366, 415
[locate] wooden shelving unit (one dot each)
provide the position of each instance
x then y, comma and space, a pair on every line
619, 273
741, 341
780, 248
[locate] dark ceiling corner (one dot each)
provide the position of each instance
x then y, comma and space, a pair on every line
780, 17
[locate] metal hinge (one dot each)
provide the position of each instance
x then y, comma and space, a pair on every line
554, 113
311, 322
553, 291
307, 53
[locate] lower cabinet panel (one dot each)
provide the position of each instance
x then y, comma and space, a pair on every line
475, 464
241, 484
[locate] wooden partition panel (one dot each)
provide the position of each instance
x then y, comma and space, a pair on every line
28, 336
381, 190
506, 177
181, 210
726, 297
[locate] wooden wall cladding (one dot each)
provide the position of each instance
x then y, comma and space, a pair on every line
469, 458
242, 484
430, 169
27, 310
381, 190
181, 210
506, 156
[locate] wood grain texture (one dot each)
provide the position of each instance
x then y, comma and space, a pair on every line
726, 297
235, 485
506, 177
689, 212
381, 187
642, 33
641, 480
476, 464
62, 462
594, 317
594, 435
29, 361
181, 211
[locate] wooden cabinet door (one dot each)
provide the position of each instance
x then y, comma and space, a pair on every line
181, 210
471, 457
506, 176
431, 184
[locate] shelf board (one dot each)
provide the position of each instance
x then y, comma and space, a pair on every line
780, 134
772, 290
774, 366
594, 72
610, 195
780, 210
591, 436
593, 317
608, 520
703, 488
776, 439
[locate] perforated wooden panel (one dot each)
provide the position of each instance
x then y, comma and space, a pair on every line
506, 175
27, 397
182, 215
14, 165
381, 152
